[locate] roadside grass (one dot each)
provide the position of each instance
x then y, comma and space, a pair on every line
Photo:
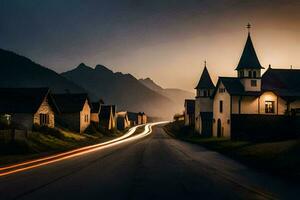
279, 158
44, 142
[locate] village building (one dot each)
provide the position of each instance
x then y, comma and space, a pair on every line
122, 120
107, 117
134, 118
189, 112
143, 117
25, 107
204, 104
75, 111
95, 111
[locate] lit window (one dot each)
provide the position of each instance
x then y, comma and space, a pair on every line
269, 106
253, 83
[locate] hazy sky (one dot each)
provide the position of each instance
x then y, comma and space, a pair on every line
167, 40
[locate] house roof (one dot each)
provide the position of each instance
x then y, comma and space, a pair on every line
105, 112
190, 106
70, 103
132, 116
249, 58
284, 82
205, 81
23, 100
234, 86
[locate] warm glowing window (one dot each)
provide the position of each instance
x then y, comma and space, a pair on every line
44, 119
86, 118
253, 83
269, 106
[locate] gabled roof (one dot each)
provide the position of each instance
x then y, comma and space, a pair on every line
249, 58
70, 103
95, 106
234, 86
132, 116
23, 100
190, 106
105, 112
284, 82
205, 81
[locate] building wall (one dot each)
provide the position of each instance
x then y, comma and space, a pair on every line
295, 104
85, 111
225, 115
45, 108
95, 117
247, 84
202, 104
279, 108
249, 105
69, 120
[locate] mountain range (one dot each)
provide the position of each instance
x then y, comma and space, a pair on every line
124, 90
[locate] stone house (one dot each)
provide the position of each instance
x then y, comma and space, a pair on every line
75, 111
25, 107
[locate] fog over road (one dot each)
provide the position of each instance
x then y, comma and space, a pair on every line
154, 167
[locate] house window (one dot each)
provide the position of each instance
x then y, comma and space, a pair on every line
86, 118
269, 106
221, 106
221, 90
253, 83
44, 119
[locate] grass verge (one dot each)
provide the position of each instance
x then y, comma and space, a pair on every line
278, 158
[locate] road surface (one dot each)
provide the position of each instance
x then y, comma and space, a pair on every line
154, 167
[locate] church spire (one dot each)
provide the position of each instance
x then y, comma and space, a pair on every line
249, 59
205, 81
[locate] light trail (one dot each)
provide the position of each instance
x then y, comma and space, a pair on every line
74, 153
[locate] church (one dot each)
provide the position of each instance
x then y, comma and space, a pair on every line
250, 104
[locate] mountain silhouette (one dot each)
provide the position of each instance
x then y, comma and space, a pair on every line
176, 95
19, 71
124, 90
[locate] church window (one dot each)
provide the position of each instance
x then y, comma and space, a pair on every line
250, 74
269, 106
253, 83
205, 93
254, 74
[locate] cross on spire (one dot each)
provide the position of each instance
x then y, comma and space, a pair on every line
248, 27
204, 63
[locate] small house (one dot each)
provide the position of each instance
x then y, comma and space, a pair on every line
75, 111
134, 118
189, 112
122, 120
95, 111
107, 117
25, 107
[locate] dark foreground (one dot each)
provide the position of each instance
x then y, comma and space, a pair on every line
156, 167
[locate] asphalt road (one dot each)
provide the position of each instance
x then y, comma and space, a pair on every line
155, 167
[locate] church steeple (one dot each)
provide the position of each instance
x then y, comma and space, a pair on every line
205, 85
249, 59
249, 67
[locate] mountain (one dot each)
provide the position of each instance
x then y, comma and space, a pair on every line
176, 95
19, 71
124, 90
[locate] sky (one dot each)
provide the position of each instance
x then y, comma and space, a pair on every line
166, 40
